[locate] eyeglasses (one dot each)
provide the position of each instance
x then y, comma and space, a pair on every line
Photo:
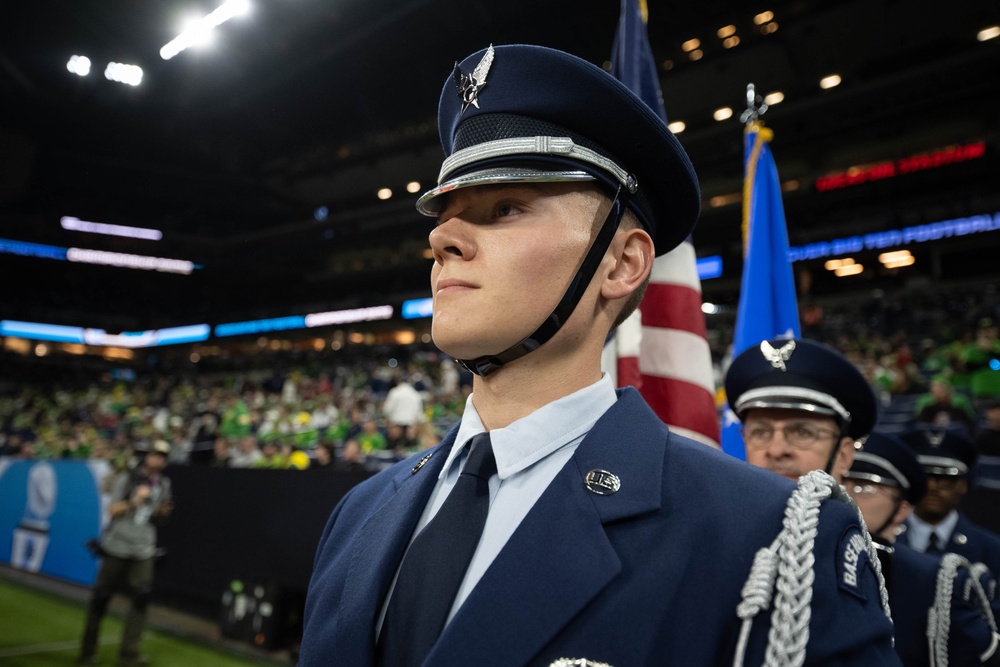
799, 435
869, 490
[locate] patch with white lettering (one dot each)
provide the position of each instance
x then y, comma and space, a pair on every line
852, 563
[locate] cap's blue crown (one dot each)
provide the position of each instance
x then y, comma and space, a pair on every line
805, 375
529, 113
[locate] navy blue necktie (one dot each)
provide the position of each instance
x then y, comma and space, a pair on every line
435, 564
933, 544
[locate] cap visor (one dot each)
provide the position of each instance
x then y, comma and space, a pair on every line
430, 202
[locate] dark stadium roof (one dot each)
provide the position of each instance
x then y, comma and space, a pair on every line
229, 150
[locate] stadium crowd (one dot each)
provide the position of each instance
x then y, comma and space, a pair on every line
360, 414
936, 364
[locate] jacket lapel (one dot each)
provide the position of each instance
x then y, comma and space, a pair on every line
560, 557
377, 551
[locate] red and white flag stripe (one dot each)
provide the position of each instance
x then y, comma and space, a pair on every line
671, 350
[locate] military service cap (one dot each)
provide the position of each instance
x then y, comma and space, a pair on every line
800, 374
950, 453
518, 113
888, 460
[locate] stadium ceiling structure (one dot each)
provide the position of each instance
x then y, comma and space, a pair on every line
264, 151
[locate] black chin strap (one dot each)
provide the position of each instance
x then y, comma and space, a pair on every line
483, 366
885, 524
836, 450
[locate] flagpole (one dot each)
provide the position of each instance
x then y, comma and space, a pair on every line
768, 306
665, 345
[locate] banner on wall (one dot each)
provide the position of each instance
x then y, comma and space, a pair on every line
48, 512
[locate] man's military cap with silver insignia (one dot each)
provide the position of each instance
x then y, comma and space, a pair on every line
518, 113
888, 460
804, 375
948, 453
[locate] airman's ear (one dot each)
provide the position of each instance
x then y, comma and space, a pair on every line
633, 252
844, 459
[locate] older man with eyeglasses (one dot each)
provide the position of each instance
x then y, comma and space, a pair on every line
803, 407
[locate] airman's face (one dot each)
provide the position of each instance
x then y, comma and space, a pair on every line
503, 258
944, 493
880, 505
813, 438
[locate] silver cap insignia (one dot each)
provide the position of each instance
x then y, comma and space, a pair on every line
602, 482
960, 538
469, 85
777, 357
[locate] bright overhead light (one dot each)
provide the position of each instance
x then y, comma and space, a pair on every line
725, 200
710, 308
763, 18
834, 264
774, 98
730, 42
726, 31
899, 263
691, 45
384, 193
849, 270
677, 126
122, 73
991, 32
894, 256
722, 114
696, 54
413, 187
831, 81
79, 65
77, 225
199, 31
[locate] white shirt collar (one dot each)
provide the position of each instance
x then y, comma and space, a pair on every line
532, 438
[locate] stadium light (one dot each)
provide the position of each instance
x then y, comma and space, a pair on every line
122, 73
79, 65
200, 30
77, 225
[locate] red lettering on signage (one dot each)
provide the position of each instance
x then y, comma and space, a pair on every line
858, 175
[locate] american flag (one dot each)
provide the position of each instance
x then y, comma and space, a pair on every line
662, 349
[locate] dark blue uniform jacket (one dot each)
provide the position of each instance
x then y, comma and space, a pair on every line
650, 575
911, 595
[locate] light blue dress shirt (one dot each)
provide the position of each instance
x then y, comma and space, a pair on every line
920, 531
529, 453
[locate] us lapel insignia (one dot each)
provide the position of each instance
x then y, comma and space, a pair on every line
603, 483
421, 463
959, 538
469, 85
777, 357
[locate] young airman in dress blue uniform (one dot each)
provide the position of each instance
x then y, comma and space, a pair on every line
937, 524
597, 536
940, 615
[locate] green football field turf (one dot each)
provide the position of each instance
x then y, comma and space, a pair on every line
37, 629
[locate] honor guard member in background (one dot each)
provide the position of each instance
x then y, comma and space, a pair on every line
560, 521
940, 610
140, 498
803, 406
936, 524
